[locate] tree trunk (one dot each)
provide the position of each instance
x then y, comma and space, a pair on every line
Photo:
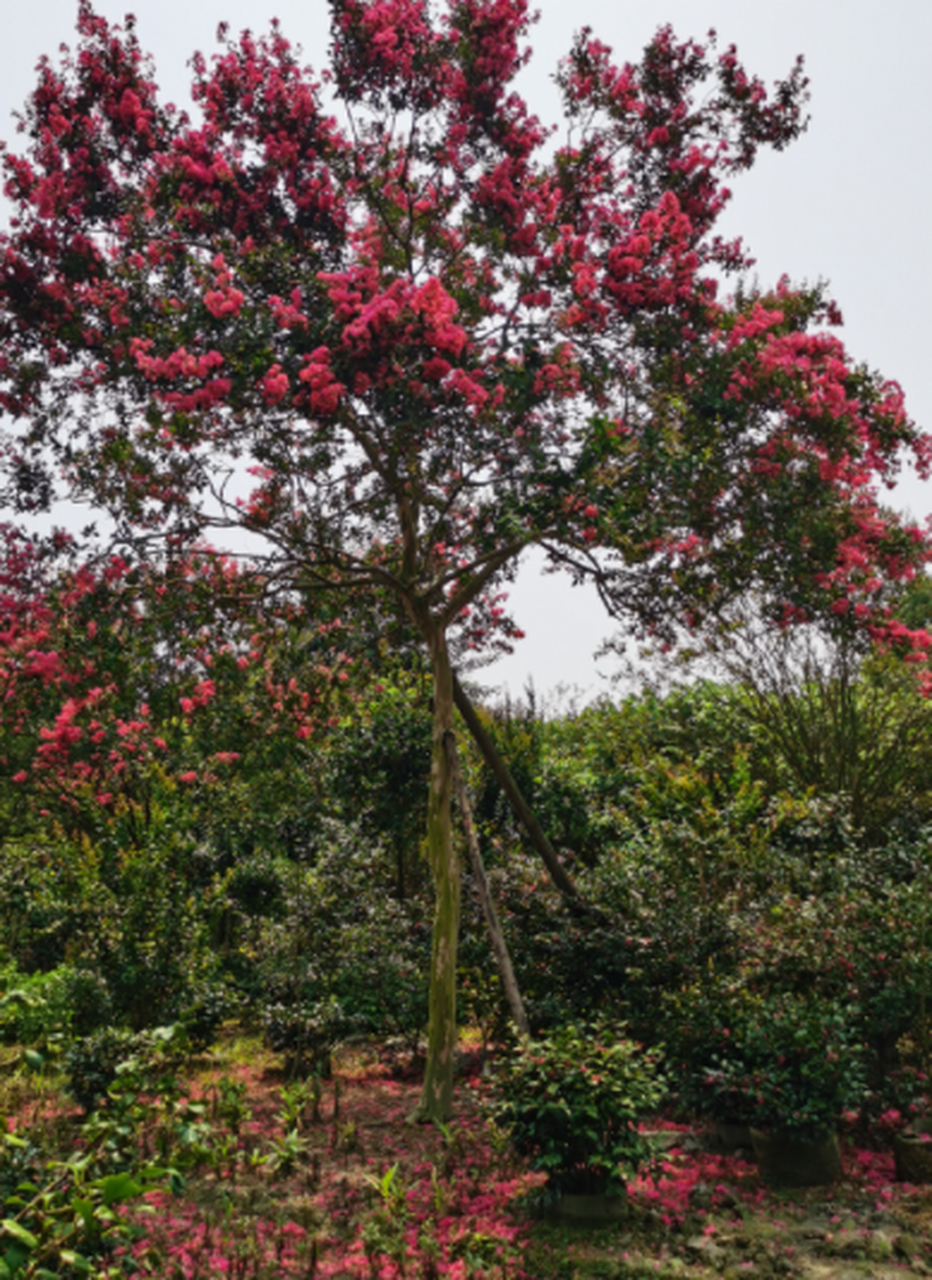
522, 809
437, 1098
499, 946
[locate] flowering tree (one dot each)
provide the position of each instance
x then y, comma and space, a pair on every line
432, 339
121, 685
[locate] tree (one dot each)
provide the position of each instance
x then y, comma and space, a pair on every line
434, 340
838, 718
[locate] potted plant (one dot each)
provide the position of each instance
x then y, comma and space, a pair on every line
572, 1102
907, 1121
798, 1065
696, 1032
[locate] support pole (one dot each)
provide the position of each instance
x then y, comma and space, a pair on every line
517, 801
499, 946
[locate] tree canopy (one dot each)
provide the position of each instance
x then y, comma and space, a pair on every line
400, 344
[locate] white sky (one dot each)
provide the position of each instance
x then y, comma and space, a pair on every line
850, 202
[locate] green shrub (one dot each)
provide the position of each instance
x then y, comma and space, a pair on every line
145, 1060
306, 1033
795, 1064
572, 1103
342, 941
201, 1010
91, 1064
34, 1006
90, 1003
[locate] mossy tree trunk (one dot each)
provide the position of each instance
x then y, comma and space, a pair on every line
437, 1098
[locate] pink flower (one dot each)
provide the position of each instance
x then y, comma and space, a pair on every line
275, 385
224, 302
325, 391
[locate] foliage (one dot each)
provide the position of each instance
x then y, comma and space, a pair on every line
68, 1186
343, 955
572, 1103
94, 1062
823, 715
793, 1063
132, 690
33, 1006
375, 766
70, 1220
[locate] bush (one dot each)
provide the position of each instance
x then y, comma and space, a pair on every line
342, 942
795, 1064
91, 1064
89, 1001
45, 893
572, 1103
201, 1011
34, 1006
146, 1058
307, 1033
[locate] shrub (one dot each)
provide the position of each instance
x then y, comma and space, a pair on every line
795, 1064
145, 1059
89, 1001
91, 1064
201, 1011
33, 1006
572, 1103
306, 1032
342, 941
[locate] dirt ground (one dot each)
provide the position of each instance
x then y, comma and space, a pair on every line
343, 1186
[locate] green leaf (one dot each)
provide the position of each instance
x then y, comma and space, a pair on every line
118, 1187
34, 1060
86, 1210
19, 1233
76, 1260
18, 997
15, 1257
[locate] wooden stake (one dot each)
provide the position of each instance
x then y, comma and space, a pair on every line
512, 993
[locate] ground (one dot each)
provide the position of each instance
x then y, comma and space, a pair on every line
287, 1179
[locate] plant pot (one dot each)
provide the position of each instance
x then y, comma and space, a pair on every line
789, 1161
913, 1158
596, 1210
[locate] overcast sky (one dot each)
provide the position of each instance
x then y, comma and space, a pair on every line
850, 202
